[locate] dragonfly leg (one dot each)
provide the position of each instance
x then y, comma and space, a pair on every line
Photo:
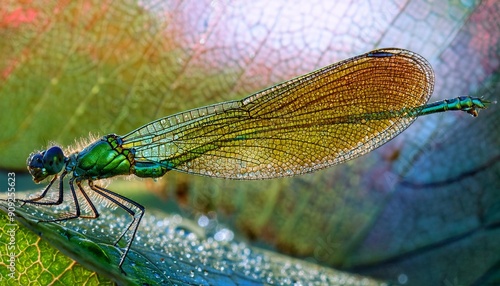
120, 201
95, 213
67, 216
59, 200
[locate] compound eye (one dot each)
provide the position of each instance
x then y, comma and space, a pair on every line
35, 167
35, 160
53, 160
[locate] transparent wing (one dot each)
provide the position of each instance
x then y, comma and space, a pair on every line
320, 119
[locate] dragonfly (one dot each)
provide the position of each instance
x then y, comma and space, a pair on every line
302, 125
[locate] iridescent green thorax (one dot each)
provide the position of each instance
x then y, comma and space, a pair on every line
104, 158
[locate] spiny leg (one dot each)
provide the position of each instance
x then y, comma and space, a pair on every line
116, 200
35, 201
67, 216
77, 214
114, 197
89, 203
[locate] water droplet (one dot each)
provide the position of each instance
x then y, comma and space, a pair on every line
203, 221
402, 278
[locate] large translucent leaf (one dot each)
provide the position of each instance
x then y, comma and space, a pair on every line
168, 250
425, 203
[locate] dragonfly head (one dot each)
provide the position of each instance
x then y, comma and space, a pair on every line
45, 163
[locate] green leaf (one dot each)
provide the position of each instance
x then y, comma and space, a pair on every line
165, 252
28, 259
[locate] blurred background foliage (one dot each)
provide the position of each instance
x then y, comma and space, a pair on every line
423, 209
